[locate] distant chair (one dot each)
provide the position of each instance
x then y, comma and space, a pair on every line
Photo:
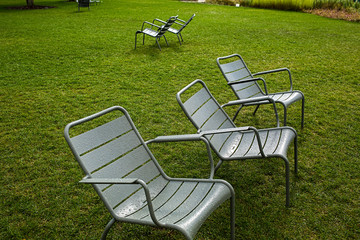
245, 86
130, 182
83, 3
155, 31
95, 1
177, 31
227, 140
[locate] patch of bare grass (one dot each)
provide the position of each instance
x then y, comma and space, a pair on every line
336, 14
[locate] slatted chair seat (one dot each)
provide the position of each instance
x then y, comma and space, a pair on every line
274, 143
227, 140
155, 31
150, 32
131, 183
245, 86
179, 22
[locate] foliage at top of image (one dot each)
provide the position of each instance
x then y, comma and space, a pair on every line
340, 9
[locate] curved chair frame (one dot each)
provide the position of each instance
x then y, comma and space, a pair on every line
155, 31
177, 31
130, 182
245, 86
235, 143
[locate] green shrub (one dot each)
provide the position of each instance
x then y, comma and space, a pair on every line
296, 5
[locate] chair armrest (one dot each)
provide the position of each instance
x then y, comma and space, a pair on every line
254, 100
109, 180
188, 137
183, 21
181, 24
176, 138
226, 130
164, 22
250, 80
248, 100
239, 129
151, 24
159, 20
89, 180
275, 71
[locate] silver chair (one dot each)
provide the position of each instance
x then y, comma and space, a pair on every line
130, 182
230, 142
181, 23
155, 31
245, 86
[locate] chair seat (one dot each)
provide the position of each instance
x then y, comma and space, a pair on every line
131, 183
150, 32
287, 98
245, 86
173, 30
275, 142
228, 141
177, 203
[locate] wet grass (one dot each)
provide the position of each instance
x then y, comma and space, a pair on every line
58, 65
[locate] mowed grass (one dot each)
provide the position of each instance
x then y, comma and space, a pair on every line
59, 65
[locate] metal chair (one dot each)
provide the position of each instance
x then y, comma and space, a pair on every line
245, 86
130, 182
155, 31
230, 142
83, 3
177, 31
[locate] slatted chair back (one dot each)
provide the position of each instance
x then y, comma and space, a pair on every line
186, 23
163, 29
234, 69
113, 150
205, 113
130, 182
229, 142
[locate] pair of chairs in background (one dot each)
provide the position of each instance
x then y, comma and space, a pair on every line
158, 31
86, 3
133, 186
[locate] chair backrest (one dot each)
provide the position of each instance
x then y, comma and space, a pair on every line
163, 29
107, 145
234, 69
187, 22
205, 113
83, 3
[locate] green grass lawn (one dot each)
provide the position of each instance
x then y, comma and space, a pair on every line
58, 65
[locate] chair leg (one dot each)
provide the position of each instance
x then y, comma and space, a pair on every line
137, 32
166, 40
143, 38
181, 37
237, 112
107, 228
296, 155
257, 107
232, 216
158, 43
218, 166
178, 38
287, 181
302, 112
285, 114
